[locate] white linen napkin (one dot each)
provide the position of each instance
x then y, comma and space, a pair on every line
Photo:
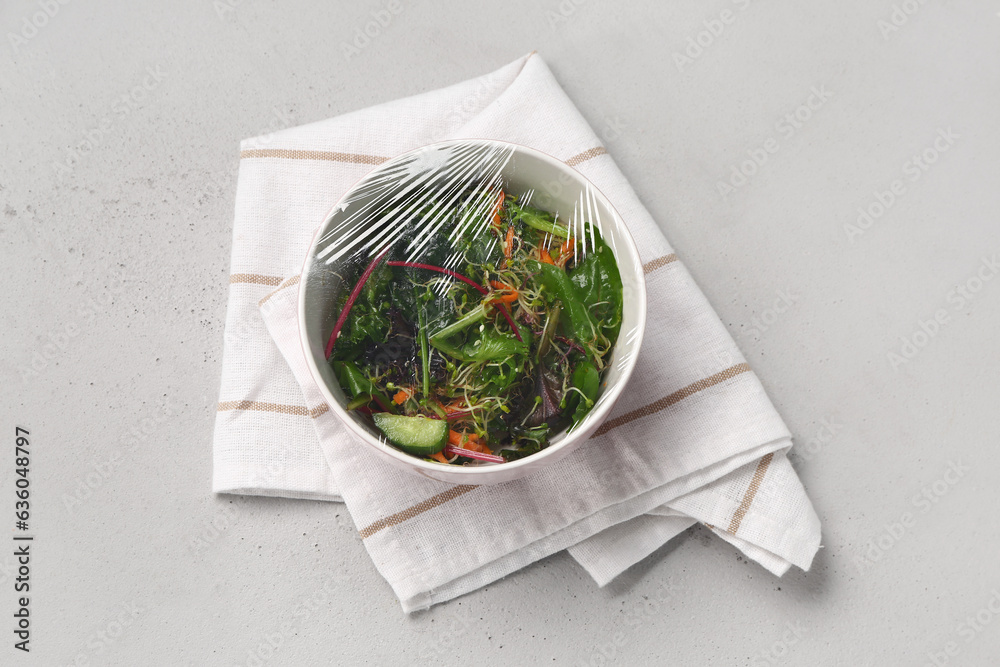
693, 438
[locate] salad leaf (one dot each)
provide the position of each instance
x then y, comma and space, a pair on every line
498, 377
492, 344
374, 291
533, 441
540, 220
350, 376
579, 324
366, 322
586, 382
599, 286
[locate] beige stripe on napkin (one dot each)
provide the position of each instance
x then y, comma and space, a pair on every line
416, 510
586, 155
358, 158
758, 477
298, 410
294, 280
295, 154
658, 263
254, 279
673, 398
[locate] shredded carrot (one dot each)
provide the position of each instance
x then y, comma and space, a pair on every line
401, 396
468, 441
545, 256
496, 211
565, 253
440, 457
566, 247
511, 295
476, 446
508, 244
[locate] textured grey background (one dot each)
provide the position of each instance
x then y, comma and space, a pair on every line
116, 269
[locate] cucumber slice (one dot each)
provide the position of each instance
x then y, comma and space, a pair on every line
419, 436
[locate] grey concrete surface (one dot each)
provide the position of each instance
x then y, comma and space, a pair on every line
119, 126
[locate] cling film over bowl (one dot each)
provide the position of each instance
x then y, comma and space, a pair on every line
471, 321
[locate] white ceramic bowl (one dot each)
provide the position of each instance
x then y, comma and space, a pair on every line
555, 187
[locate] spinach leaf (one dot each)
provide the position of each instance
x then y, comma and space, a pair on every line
587, 382
538, 219
578, 322
492, 345
599, 286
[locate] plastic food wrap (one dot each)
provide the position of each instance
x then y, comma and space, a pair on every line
464, 304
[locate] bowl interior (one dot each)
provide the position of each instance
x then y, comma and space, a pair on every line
371, 215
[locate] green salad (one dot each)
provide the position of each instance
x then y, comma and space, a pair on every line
489, 343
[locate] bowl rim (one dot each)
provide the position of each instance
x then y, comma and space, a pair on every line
591, 422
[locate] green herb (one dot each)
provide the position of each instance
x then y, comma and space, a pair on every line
540, 220
425, 357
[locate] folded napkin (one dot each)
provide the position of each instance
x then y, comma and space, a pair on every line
693, 438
